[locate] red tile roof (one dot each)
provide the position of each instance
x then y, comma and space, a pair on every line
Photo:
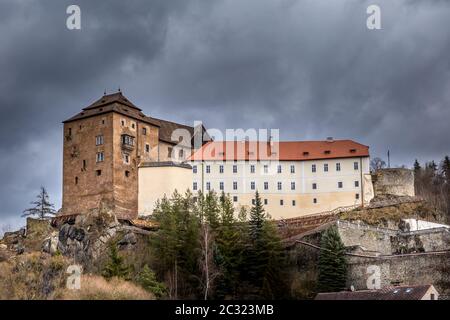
283, 150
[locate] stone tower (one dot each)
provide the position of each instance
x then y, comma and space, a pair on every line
103, 147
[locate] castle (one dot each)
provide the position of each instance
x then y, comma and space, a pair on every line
105, 144
114, 153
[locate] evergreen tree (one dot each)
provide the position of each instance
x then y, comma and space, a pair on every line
445, 169
332, 262
116, 266
147, 279
264, 255
417, 167
43, 209
229, 252
257, 218
177, 244
211, 210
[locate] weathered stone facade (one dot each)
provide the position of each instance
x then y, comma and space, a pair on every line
104, 146
395, 181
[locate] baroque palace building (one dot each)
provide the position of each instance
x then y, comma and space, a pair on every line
293, 177
114, 153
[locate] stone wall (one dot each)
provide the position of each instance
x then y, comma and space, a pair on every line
396, 181
371, 238
389, 241
412, 269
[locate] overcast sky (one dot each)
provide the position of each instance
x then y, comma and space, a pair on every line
310, 68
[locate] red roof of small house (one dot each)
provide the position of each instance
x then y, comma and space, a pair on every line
283, 150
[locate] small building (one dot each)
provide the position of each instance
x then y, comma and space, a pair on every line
160, 179
417, 292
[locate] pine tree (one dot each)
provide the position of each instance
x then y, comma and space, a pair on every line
229, 252
257, 218
417, 167
332, 262
264, 255
147, 279
43, 209
445, 169
116, 266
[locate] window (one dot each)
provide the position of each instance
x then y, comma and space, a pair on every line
208, 186
122, 122
100, 157
266, 202
266, 185
194, 186
127, 140
340, 184
314, 186
234, 185
126, 158
252, 168
169, 152
221, 169
315, 200
194, 169
84, 165
338, 166
313, 168
432, 296
279, 168
234, 168
235, 198
292, 169
356, 165
292, 185
208, 169
281, 202
356, 184
252, 185
99, 140
98, 172
279, 185
221, 185
76, 180
357, 196
293, 203
181, 154
103, 121
133, 125
325, 167
147, 148
144, 131
127, 173
266, 168
70, 132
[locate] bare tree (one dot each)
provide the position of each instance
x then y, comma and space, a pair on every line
377, 164
207, 265
43, 209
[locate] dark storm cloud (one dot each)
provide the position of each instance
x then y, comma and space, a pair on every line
310, 68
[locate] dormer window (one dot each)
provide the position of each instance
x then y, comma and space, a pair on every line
306, 153
327, 151
352, 150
